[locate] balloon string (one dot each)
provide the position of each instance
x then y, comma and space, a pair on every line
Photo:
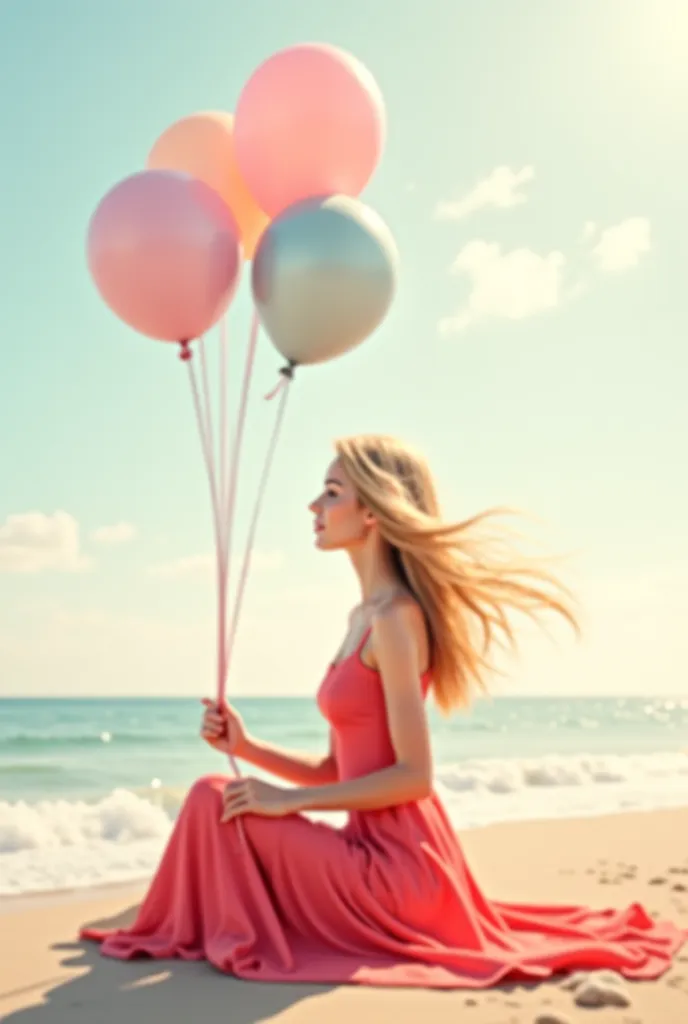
223, 417
223, 498
221, 537
272, 446
286, 375
231, 497
222, 553
203, 420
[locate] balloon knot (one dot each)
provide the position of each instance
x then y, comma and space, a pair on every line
286, 375
185, 351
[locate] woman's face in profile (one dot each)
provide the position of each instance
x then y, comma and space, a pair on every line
340, 520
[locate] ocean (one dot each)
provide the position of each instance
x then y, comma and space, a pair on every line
89, 788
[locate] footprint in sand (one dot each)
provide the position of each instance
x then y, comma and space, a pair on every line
624, 872
552, 1018
659, 880
597, 989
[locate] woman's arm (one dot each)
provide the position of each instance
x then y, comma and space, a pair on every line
399, 637
291, 765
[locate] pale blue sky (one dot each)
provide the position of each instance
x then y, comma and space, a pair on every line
561, 390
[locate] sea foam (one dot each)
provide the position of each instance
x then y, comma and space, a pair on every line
55, 844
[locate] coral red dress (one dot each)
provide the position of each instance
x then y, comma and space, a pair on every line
386, 900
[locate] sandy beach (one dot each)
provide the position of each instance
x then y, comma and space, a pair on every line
48, 977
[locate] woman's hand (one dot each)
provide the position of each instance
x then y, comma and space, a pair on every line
223, 728
252, 796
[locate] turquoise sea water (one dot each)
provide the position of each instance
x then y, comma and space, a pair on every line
89, 788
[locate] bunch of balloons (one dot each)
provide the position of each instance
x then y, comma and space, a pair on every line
275, 183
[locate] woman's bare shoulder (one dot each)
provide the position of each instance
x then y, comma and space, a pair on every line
400, 621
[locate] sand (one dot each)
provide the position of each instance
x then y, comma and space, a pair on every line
47, 977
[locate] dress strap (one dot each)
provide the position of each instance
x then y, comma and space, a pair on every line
363, 641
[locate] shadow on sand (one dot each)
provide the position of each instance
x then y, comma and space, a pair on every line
109, 991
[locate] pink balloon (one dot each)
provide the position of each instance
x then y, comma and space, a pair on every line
310, 121
164, 254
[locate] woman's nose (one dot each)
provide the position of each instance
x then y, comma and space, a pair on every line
314, 506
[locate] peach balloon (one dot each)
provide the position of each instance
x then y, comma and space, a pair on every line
203, 145
163, 252
310, 122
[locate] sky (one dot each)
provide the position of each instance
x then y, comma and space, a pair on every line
535, 350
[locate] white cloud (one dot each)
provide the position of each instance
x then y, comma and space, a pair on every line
118, 533
34, 542
511, 285
501, 189
620, 247
201, 567
589, 230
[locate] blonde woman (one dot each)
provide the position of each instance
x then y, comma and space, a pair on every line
251, 884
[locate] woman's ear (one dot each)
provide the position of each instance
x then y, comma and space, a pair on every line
368, 518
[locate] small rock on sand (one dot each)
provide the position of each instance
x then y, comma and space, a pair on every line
574, 981
598, 992
552, 1018
597, 988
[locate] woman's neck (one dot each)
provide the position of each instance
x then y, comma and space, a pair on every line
376, 573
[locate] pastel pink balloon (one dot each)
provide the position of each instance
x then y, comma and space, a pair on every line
310, 121
164, 254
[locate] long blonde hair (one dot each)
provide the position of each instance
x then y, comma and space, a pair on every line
465, 581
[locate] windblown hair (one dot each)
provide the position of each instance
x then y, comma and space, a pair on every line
467, 581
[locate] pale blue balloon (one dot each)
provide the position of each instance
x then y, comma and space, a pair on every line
323, 278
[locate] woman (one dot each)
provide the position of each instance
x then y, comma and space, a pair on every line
254, 886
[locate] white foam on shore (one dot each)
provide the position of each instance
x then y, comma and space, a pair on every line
61, 844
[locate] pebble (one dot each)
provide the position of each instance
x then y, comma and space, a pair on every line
574, 981
597, 992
